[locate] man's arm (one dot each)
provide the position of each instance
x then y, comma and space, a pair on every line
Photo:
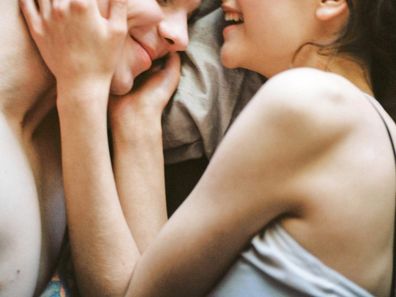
98, 230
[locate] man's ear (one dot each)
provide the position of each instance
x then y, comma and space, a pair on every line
328, 10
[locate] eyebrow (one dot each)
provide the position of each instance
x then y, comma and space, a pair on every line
193, 14
196, 11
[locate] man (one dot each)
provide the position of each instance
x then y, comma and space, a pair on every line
32, 214
32, 211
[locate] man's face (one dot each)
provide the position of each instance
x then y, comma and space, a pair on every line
155, 29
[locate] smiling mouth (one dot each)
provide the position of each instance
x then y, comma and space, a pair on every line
146, 49
230, 23
232, 18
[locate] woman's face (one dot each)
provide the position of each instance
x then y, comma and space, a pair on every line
155, 29
267, 33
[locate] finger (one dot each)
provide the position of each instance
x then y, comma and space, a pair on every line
118, 15
32, 16
45, 8
167, 79
172, 67
60, 8
79, 6
172, 71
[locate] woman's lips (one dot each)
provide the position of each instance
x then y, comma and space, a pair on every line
227, 29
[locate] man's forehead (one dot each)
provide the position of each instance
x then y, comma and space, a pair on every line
190, 4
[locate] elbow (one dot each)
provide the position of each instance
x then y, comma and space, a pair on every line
106, 282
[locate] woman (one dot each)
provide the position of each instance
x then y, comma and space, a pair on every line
306, 173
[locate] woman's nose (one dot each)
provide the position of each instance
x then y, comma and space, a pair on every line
173, 28
143, 13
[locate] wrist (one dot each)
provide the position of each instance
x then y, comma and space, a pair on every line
84, 83
83, 93
137, 131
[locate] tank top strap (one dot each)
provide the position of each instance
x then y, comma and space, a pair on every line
393, 287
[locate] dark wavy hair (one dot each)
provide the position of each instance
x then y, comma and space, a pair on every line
370, 37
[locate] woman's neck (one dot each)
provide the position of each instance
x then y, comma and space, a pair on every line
353, 71
342, 65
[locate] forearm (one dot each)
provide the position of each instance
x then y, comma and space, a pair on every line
139, 171
97, 226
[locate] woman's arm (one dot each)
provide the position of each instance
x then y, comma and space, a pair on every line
138, 156
260, 172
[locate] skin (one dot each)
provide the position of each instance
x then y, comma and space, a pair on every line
32, 209
301, 153
33, 215
104, 223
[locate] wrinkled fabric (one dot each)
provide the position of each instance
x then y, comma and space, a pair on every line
209, 97
275, 264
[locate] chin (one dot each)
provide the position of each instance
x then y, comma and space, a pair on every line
121, 87
227, 59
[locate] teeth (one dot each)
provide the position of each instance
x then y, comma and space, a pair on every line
233, 16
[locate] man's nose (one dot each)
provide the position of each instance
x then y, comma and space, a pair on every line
173, 28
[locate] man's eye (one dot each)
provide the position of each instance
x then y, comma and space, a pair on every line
164, 2
193, 15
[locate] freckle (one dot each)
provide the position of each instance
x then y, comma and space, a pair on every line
18, 271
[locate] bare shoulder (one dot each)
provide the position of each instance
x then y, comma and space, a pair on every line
309, 102
310, 93
303, 83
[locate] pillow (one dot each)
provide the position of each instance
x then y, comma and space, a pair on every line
209, 97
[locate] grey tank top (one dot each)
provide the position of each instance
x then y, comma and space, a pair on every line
276, 265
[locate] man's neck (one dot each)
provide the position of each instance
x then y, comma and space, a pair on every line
25, 83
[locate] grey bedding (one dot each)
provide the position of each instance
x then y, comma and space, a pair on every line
209, 96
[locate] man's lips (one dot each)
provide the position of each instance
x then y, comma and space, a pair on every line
151, 53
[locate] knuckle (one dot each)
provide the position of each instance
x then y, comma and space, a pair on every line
37, 31
119, 2
58, 11
79, 6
